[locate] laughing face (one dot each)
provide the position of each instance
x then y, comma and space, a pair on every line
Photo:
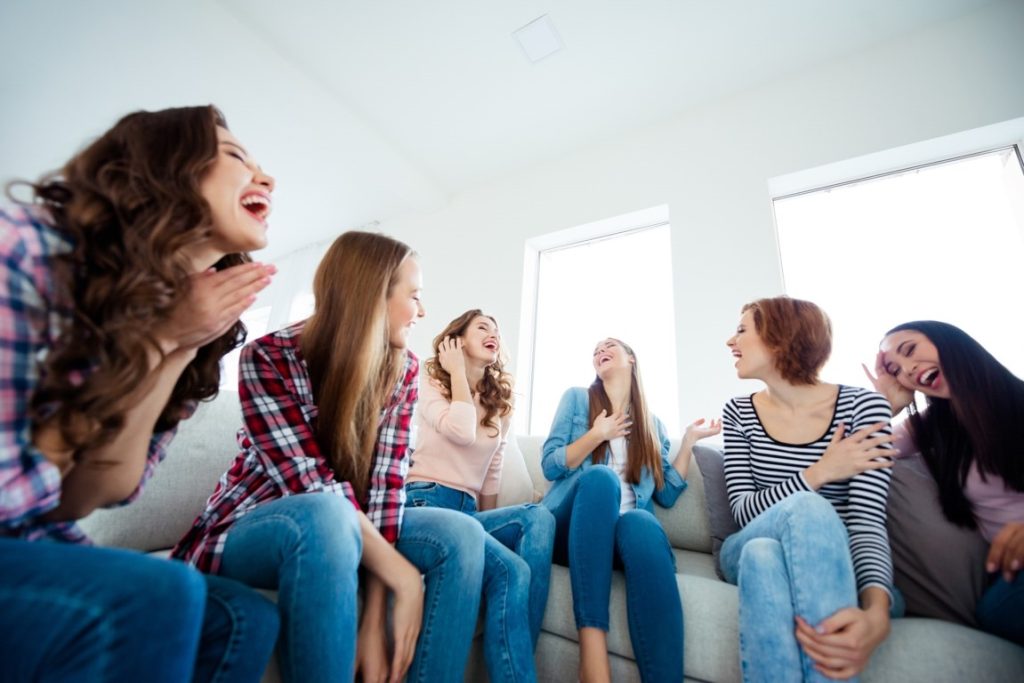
610, 356
752, 356
404, 305
481, 341
238, 192
913, 360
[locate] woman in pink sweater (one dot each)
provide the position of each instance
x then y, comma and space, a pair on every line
463, 419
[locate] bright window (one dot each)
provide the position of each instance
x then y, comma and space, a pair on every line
943, 242
613, 286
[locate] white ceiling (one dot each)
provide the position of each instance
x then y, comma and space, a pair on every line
367, 110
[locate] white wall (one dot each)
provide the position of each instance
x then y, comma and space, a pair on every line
712, 166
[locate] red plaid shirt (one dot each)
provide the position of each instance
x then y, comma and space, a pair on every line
279, 452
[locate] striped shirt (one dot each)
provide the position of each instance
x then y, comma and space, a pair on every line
280, 455
34, 315
760, 471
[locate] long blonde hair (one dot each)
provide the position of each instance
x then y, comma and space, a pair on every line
352, 365
642, 446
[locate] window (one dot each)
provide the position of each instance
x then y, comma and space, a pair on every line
943, 241
256, 322
611, 285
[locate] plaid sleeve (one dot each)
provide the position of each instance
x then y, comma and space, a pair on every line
278, 424
29, 483
386, 497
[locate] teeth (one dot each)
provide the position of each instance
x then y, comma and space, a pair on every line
929, 377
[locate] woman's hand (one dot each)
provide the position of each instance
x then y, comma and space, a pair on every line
372, 654
846, 457
1006, 553
451, 357
842, 644
612, 426
695, 431
215, 302
899, 396
407, 616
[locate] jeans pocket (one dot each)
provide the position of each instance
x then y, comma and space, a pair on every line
420, 486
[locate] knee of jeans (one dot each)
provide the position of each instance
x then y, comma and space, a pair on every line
518, 576
328, 525
463, 538
760, 553
183, 589
808, 508
639, 534
539, 522
599, 478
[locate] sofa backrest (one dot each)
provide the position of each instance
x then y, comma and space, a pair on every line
205, 446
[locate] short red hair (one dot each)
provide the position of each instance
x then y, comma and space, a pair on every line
797, 333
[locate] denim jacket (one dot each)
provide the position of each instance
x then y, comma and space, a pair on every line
570, 423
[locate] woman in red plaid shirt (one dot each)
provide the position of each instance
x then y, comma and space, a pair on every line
327, 405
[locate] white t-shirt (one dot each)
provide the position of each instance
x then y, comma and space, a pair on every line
618, 463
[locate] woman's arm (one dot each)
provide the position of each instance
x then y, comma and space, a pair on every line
841, 645
675, 483
453, 419
695, 431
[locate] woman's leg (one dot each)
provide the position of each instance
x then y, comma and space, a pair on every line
240, 629
791, 560
585, 538
1001, 609
519, 540
448, 548
308, 548
78, 613
652, 597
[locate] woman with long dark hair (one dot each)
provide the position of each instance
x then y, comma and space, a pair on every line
608, 458
464, 418
970, 436
121, 287
317, 488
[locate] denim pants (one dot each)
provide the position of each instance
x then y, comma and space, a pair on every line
593, 538
792, 559
1001, 609
82, 614
308, 547
517, 571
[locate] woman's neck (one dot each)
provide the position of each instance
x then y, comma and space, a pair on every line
618, 388
796, 397
474, 374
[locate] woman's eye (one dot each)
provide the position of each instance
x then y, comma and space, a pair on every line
237, 156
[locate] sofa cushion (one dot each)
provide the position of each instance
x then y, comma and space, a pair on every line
938, 566
720, 520
516, 484
176, 494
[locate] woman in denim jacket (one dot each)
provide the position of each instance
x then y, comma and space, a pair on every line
608, 458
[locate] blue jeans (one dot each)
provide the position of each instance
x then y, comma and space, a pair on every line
792, 559
517, 571
80, 613
1001, 608
593, 538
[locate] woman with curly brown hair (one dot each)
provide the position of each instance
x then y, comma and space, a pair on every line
121, 287
464, 417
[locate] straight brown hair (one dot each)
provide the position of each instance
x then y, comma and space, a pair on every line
643, 450
352, 366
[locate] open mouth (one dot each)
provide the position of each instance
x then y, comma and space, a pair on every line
491, 346
602, 360
928, 378
258, 205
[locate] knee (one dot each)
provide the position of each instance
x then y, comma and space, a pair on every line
517, 575
538, 522
327, 525
599, 480
639, 534
463, 538
759, 554
811, 510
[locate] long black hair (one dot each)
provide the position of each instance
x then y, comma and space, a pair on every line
982, 423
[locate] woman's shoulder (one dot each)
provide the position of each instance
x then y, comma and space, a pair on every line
860, 401
739, 407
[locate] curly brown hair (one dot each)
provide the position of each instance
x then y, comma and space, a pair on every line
496, 385
797, 333
130, 203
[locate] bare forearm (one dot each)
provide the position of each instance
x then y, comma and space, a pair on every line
488, 502
460, 387
375, 603
682, 461
581, 448
379, 557
110, 473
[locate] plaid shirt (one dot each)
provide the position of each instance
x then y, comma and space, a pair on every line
33, 316
279, 452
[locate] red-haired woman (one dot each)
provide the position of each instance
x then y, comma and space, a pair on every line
317, 488
465, 414
121, 288
608, 458
807, 478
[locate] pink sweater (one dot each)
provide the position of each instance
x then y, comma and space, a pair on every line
452, 447
995, 504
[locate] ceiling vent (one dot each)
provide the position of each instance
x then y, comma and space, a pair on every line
539, 39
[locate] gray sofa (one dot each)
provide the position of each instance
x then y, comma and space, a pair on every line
923, 650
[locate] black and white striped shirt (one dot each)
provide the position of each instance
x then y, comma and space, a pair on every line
760, 471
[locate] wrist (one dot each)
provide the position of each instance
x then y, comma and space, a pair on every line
812, 476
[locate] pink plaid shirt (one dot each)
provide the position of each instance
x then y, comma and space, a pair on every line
33, 316
280, 455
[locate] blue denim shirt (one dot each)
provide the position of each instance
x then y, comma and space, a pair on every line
572, 420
